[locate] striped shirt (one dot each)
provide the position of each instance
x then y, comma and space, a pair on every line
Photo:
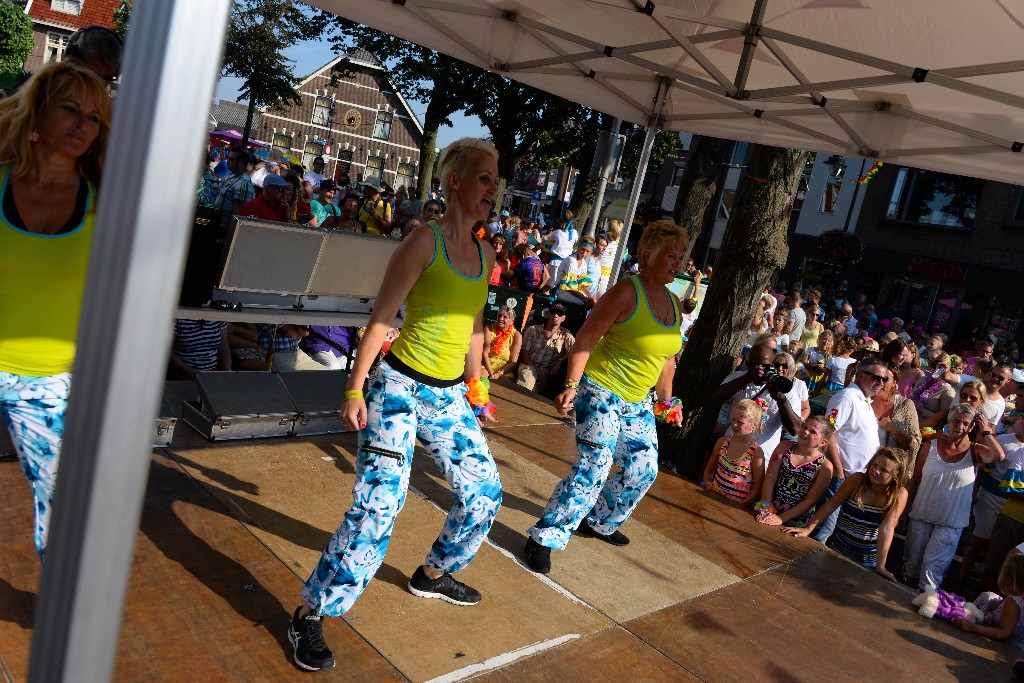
856, 533
732, 477
197, 342
573, 275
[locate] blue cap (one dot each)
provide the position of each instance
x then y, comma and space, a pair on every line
274, 180
504, 214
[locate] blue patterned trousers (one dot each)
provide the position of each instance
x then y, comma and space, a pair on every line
400, 409
607, 429
34, 410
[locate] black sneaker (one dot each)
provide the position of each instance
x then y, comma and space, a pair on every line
538, 557
307, 637
444, 588
615, 538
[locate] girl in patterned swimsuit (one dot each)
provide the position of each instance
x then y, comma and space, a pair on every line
871, 503
797, 477
736, 467
1004, 617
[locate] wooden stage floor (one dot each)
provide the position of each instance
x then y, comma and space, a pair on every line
231, 529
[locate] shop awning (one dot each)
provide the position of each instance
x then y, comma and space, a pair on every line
935, 84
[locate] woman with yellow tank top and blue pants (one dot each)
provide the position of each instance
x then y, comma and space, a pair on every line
441, 271
53, 132
627, 346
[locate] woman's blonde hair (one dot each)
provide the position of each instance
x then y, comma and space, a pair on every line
658, 234
1011, 576
614, 229
830, 347
978, 386
892, 491
457, 156
21, 112
845, 344
753, 410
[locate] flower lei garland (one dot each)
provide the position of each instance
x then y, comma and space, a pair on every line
477, 393
927, 390
839, 246
498, 339
668, 410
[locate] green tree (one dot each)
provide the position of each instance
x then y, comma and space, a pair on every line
16, 42
754, 247
121, 17
444, 83
666, 144
259, 30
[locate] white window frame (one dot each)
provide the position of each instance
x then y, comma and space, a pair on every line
58, 42
321, 111
406, 176
277, 141
311, 151
382, 126
67, 6
373, 173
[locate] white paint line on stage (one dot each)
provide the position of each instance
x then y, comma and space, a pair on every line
503, 659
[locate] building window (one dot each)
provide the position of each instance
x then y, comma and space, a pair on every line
934, 198
406, 176
56, 43
67, 6
344, 164
311, 151
1018, 210
374, 170
382, 127
322, 111
677, 175
282, 142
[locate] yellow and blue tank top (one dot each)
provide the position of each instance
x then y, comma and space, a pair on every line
629, 358
42, 282
440, 311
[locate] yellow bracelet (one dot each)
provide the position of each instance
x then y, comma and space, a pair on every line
353, 393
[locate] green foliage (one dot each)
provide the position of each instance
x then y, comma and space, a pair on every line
16, 40
666, 144
121, 16
259, 31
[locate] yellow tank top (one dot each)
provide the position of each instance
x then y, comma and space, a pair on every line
629, 358
809, 337
42, 281
440, 311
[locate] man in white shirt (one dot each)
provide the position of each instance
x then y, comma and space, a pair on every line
856, 438
316, 175
796, 315
781, 409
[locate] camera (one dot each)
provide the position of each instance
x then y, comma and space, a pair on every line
775, 381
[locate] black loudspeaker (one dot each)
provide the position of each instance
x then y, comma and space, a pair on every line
205, 256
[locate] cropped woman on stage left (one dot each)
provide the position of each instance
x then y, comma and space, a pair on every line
53, 134
417, 392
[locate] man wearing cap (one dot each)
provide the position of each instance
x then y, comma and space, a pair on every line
323, 207
272, 204
545, 348
375, 213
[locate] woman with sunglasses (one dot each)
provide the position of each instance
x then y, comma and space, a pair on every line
932, 395
898, 427
940, 494
433, 209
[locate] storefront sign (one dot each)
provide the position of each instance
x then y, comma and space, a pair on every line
939, 270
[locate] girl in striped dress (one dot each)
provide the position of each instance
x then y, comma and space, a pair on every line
871, 503
736, 467
798, 475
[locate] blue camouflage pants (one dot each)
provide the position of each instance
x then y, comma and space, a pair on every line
607, 429
400, 409
34, 410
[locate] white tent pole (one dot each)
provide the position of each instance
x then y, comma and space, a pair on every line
648, 142
142, 227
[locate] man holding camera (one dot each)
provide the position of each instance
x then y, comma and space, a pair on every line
856, 438
761, 379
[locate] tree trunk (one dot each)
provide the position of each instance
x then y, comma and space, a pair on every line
754, 247
428, 155
703, 169
582, 202
248, 119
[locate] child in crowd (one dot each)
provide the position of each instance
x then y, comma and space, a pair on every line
815, 360
836, 366
736, 467
871, 503
1004, 617
798, 475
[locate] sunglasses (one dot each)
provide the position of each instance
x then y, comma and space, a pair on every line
876, 378
779, 366
970, 397
998, 378
433, 212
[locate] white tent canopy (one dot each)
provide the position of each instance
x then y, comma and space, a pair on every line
935, 84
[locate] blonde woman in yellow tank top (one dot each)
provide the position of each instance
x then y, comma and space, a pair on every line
812, 329
626, 347
440, 271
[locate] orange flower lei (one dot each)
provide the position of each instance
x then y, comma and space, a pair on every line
498, 339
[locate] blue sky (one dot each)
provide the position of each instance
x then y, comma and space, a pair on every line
311, 55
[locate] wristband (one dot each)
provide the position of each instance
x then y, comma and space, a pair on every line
353, 393
478, 396
668, 410
572, 384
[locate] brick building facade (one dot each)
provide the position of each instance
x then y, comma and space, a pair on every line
365, 123
944, 250
53, 22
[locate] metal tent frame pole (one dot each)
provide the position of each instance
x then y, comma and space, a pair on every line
135, 268
607, 165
